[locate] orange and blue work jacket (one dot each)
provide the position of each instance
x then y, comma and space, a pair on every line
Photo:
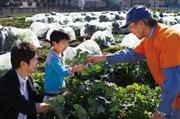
162, 52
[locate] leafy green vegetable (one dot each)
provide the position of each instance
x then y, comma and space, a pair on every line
80, 58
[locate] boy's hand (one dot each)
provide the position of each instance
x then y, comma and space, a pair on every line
96, 59
78, 68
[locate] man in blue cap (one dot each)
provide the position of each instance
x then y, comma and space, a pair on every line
160, 47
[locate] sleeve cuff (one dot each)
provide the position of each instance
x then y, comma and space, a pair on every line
110, 59
164, 109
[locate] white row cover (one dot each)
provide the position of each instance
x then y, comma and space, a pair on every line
90, 46
11, 35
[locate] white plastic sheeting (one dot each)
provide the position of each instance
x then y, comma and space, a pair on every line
130, 41
77, 21
76, 27
45, 18
176, 27
25, 35
39, 29
68, 30
169, 20
49, 33
55, 25
94, 25
69, 53
37, 18
103, 38
90, 46
5, 62
11, 35
42, 29
71, 33
5, 40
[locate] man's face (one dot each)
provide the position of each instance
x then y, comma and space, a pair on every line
137, 28
31, 67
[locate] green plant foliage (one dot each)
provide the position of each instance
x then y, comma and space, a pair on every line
80, 58
38, 80
89, 18
42, 53
113, 49
122, 74
80, 112
103, 18
92, 96
100, 99
57, 104
137, 101
91, 69
18, 21
118, 17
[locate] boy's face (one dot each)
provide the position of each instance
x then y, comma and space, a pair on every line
61, 45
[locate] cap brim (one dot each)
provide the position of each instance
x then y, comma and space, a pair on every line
127, 24
124, 26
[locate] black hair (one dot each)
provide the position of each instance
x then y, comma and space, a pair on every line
22, 52
58, 35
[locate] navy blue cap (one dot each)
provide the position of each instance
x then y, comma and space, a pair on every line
136, 13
